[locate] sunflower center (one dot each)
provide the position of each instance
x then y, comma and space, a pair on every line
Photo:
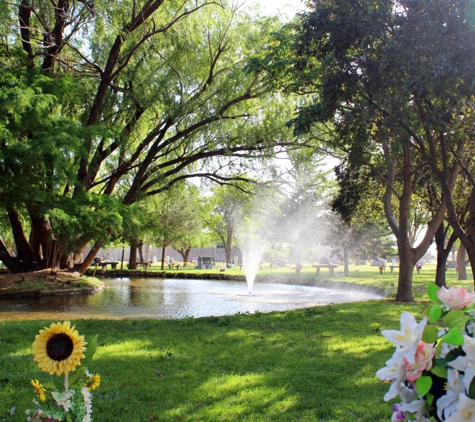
59, 347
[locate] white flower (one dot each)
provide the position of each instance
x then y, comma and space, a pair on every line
446, 348
447, 404
393, 367
465, 410
408, 337
417, 407
395, 373
471, 325
87, 403
411, 404
466, 363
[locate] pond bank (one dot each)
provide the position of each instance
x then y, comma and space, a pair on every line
271, 279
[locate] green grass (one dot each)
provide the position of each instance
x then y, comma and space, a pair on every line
316, 364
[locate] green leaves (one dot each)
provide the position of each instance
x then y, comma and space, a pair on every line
90, 351
455, 319
434, 312
454, 337
439, 371
432, 290
423, 385
430, 334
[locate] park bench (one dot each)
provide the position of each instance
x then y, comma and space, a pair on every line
104, 264
331, 267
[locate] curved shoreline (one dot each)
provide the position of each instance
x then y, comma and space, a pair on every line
272, 279
40, 293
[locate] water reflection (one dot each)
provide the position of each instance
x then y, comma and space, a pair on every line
175, 298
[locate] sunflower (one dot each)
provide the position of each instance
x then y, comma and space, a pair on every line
39, 389
97, 382
93, 382
59, 348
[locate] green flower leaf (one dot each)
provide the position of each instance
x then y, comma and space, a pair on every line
441, 362
430, 399
471, 390
430, 334
432, 290
49, 385
455, 319
435, 313
454, 336
76, 377
439, 371
91, 349
423, 385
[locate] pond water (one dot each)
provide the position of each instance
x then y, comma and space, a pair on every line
175, 299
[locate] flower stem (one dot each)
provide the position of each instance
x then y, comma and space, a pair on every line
66, 381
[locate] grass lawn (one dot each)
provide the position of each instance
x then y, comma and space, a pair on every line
315, 364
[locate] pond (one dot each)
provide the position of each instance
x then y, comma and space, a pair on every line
160, 298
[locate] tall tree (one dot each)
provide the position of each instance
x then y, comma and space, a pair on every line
103, 103
395, 80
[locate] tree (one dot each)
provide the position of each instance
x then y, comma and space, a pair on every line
395, 80
104, 103
228, 205
175, 218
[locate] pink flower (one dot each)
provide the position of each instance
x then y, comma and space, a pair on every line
422, 361
455, 298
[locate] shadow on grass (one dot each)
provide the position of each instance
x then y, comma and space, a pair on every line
312, 364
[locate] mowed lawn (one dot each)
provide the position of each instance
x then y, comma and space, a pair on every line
314, 364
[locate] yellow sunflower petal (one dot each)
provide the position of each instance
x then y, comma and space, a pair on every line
59, 348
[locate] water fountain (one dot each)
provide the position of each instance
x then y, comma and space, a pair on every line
252, 248
252, 238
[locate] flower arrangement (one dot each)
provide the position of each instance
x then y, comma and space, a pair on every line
381, 268
418, 268
58, 350
433, 368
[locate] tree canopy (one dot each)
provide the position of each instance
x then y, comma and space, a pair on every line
389, 84
103, 103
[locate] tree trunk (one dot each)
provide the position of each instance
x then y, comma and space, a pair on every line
24, 253
346, 259
140, 250
163, 257
90, 257
133, 255
461, 263
10, 261
147, 252
441, 270
229, 243
185, 254
406, 269
443, 252
467, 235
